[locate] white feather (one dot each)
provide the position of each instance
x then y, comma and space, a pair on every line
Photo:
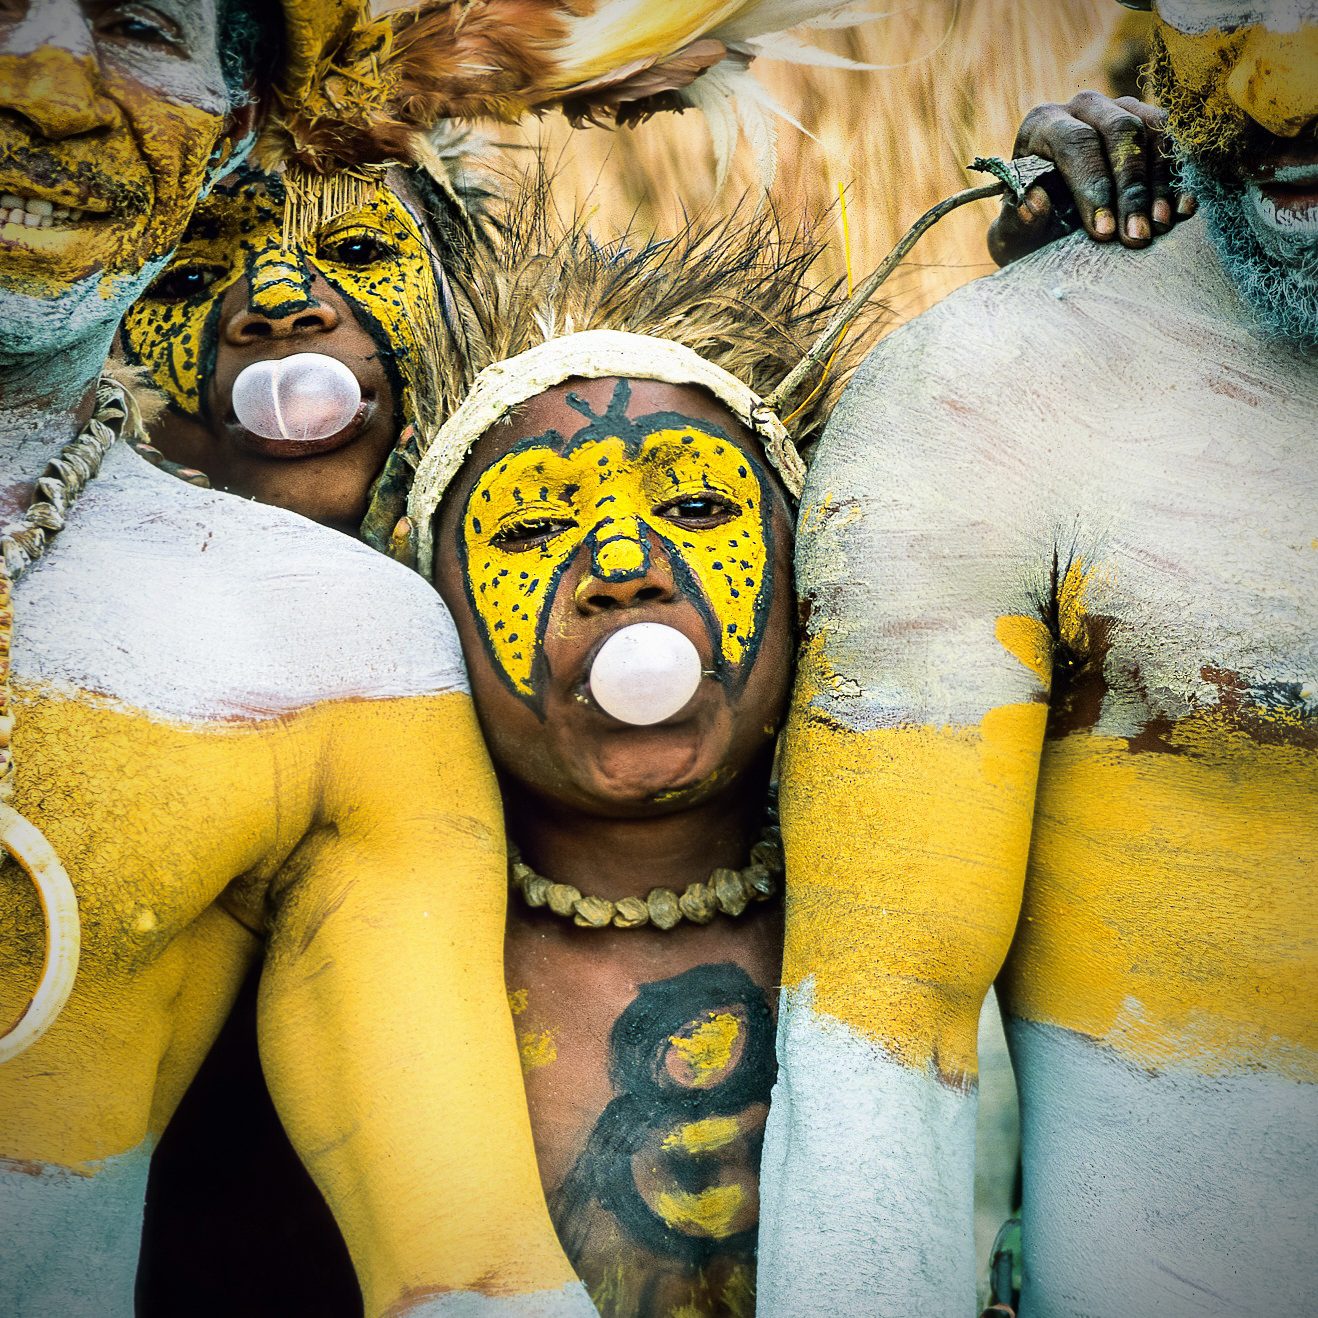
713, 97
760, 18
729, 95
792, 50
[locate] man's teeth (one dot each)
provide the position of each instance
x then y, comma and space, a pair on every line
34, 213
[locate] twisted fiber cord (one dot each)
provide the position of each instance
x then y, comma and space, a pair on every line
24, 541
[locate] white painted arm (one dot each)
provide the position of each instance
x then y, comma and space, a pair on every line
908, 784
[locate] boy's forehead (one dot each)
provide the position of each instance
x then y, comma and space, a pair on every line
630, 409
1196, 17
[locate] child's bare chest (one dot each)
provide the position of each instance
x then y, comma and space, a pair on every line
648, 1066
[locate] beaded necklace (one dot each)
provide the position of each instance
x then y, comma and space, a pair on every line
21, 544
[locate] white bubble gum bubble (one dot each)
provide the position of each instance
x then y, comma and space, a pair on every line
645, 673
304, 397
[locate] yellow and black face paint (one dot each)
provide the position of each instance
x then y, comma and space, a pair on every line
615, 489
374, 255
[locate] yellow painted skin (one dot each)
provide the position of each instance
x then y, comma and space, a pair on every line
155, 822
912, 978
708, 1048
1132, 929
142, 173
238, 233
1271, 76
599, 494
1102, 948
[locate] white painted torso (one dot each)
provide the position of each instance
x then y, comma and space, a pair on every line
196, 605
1119, 408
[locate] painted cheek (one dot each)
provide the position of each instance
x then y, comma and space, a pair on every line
510, 592
1275, 80
729, 562
176, 339
175, 142
398, 296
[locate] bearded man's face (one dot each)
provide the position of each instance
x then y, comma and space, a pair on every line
1239, 79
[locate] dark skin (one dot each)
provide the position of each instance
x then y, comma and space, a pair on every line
1115, 168
327, 481
585, 812
619, 810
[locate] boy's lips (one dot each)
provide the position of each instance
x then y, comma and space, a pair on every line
292, 449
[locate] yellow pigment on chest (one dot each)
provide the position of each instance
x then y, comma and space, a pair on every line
1169, 908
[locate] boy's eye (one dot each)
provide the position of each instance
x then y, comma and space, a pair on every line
184, 281
360, 249
530, 533
699, 510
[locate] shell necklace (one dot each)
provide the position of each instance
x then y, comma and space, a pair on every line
21, 544
726, 890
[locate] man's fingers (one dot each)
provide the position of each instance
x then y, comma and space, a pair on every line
1020, 230
1075, 147
1127, 148
1161, 182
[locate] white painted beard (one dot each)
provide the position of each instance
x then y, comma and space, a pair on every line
1269, 253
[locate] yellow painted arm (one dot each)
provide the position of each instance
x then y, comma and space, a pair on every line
384, 1027
908, 779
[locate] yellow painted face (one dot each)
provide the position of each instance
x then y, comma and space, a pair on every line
1226, 59
123, 151
619, 490
375, 256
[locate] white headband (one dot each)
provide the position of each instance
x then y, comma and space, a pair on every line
590, 355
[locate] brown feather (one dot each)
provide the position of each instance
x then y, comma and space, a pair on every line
481, 59
738, 289
641, 88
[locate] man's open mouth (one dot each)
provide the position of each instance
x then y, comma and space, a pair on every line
1286, 200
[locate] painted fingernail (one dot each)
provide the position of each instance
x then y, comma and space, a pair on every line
1162, 212
1137, 229
1105, 225
1187, 204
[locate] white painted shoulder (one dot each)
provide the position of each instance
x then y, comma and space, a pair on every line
192, 604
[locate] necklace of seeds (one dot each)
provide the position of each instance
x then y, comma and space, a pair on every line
21, 544
726, 891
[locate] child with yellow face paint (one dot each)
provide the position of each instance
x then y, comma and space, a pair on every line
606, 489
364, 289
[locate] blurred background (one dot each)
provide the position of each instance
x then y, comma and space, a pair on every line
958, 77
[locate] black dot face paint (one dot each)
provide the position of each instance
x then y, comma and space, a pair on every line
616, 489
374, 256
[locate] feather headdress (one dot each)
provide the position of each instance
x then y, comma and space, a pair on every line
727, 304
377, 84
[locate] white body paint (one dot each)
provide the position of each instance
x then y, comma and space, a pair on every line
44, 1211
843, 1178
242, 611
198, 609
1198, 16
1123, 404
1172, 1193
1075, 462
569, 1302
